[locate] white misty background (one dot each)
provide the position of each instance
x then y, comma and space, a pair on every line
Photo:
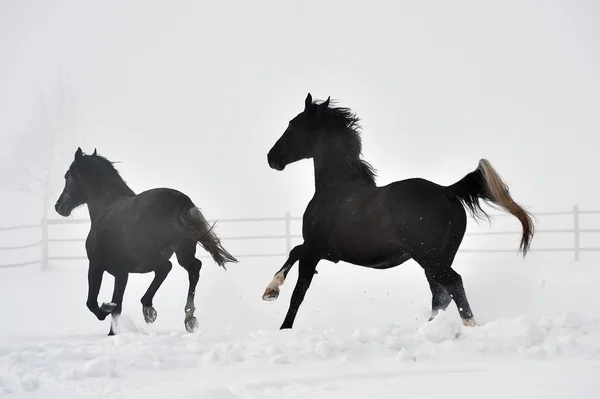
191, 95
33, 161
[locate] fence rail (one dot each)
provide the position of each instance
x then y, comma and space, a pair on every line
287, 237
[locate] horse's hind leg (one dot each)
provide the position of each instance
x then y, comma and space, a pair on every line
440, 299
452, 282
117, 299
186, 256
162, 268
153, 260
438, 269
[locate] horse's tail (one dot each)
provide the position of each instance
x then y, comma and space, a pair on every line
485, 183
193, 224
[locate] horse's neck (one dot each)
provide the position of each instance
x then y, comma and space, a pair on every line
109, 195
98, 206
333, 166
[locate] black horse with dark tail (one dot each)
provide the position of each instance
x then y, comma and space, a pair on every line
136, 234
353, 220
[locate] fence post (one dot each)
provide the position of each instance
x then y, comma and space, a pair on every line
576, 245
288, 232
44, 252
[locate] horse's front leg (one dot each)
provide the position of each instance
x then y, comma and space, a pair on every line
306, 272
117, 299
94, 282
272, 290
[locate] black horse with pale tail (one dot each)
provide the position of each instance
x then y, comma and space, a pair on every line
351, 219
132, 233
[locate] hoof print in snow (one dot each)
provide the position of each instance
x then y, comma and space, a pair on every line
280, 359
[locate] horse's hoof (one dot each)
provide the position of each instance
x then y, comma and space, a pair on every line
108, 307
149, 314
191, 324
270, 294
469, 323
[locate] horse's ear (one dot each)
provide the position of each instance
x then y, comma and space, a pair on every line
95, 153
323, 106
78, 153
308, 101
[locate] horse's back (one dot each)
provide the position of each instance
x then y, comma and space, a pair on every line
162, 199
148, 218
376, 223
154, 212
416, 201
424, 212
415, 190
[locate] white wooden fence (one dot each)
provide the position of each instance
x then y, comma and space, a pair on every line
286, 236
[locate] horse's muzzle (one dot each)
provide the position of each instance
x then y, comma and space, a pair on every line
275, 164
61, 208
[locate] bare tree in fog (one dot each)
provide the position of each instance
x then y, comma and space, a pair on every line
31, 163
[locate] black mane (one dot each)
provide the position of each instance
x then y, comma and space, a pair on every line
341, 116
346, 120
100, 172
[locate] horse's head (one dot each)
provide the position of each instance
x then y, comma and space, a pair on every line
74, 194
300, 138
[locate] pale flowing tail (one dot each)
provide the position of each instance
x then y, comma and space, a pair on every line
486, 184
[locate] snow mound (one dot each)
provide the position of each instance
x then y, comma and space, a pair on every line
27, 367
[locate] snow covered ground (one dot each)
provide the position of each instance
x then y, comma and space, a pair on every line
360, 333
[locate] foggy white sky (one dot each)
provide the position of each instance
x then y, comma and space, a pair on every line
192, 94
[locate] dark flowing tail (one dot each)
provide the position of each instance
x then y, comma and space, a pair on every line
192, 223
485, 183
